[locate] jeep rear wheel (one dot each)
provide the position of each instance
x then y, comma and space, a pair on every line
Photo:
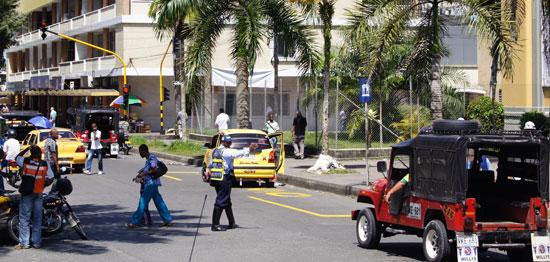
368, 229
435, 242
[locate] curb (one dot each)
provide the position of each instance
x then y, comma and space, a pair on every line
312, 184
308, 183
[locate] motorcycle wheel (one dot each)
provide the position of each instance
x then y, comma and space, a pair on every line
52, 223
78, 229
13, 228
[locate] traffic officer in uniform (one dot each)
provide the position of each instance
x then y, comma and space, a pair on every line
224, 181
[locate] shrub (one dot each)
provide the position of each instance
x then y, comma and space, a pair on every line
481, 110
538, 118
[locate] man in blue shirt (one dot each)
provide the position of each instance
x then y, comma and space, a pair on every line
150, 191
223, 187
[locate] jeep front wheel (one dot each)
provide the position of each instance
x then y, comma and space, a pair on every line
368, 229
435, 242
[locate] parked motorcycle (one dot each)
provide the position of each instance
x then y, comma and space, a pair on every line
124, 143
13, 175
56, 212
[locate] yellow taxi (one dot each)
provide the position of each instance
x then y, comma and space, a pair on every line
71, 153
261, 166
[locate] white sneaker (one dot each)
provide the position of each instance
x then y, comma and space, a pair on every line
86, 171
100, 173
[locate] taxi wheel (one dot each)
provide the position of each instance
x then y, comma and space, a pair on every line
435, 242
369, 231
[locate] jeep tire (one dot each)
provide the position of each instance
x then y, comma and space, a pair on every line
455, 126
368, 229
435, 242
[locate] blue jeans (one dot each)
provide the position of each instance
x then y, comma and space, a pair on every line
30, 207
90, 159
151, 192
2, 188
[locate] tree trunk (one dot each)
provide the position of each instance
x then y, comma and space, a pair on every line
276, 97
242, 93
207, 104
435, 87
183, 102
493, 86
327, 12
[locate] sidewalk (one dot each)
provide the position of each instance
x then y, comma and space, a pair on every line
295, 174
342, 184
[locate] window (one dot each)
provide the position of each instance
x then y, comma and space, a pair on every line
283, 49
244, 140
462, 46
112, 40
230, 103
62, 135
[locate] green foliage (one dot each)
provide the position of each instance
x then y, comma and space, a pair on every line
538, 118
421, 118
177, 147
453, 103
481, 110
10, 23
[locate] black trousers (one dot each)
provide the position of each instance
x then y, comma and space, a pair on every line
223, 191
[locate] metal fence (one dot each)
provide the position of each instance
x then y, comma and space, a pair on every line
392, 117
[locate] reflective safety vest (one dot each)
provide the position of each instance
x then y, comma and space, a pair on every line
38, 170
217, 168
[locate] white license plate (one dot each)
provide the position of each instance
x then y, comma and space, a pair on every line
114, 149
467, 240
541, 247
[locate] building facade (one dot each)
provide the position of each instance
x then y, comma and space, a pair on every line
42, 73
529, 86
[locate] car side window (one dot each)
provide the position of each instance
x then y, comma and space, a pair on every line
26, 140
33, 140
400, 167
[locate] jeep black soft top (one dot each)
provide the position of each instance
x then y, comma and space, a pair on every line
439, 159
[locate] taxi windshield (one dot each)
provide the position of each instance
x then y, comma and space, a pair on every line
241, 141
62, 135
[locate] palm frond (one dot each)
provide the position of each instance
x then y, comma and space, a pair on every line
166, 14
249, 31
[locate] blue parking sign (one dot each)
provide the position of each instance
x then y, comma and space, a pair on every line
364, 87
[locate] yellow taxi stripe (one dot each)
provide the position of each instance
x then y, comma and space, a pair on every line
299, 209
171, 177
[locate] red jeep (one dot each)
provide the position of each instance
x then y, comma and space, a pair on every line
467, 190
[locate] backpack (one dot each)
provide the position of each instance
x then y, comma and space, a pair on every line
161, 169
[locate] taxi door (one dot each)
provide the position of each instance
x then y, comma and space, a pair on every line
278, 143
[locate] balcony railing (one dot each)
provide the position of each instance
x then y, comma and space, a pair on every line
85, 20
67, 68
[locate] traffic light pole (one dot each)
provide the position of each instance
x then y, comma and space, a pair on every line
44, 30
161, 91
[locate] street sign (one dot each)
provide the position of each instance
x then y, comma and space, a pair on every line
364, 90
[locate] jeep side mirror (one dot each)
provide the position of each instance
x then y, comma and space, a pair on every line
381, 166
207, 145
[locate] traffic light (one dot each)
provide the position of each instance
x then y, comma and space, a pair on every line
126, 95
166, 94
43, 29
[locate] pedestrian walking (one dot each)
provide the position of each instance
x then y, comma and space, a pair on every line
151, 178
222, 121
146, 220
95, 148
221, 173
51, 153
11, 147
53, 116
35, 177
299, 132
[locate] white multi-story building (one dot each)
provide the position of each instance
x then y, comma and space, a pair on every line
60, 73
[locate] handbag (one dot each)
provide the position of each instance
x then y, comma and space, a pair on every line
27, 183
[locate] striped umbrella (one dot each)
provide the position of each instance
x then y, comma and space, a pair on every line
132, 100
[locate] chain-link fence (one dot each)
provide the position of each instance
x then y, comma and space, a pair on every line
392, 116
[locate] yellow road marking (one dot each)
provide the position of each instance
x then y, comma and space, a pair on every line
298, 209
181, 172
171, 177
287, 194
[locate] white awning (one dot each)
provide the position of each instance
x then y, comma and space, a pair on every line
260, 79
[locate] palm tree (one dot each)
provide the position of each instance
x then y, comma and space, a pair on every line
498, 22
248, 29
10, 23
169, 18
324, 9
395, 17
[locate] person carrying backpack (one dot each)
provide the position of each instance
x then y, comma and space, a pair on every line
150, 175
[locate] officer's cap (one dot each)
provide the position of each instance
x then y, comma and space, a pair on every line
226, 138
